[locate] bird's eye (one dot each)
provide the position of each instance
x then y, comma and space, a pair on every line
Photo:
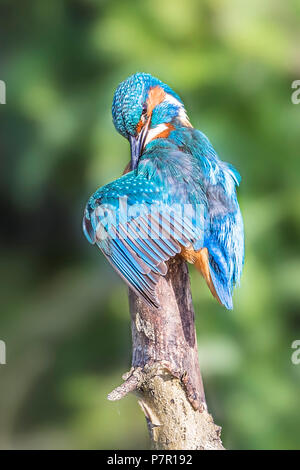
144, 111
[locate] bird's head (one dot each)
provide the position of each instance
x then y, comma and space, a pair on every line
143, 109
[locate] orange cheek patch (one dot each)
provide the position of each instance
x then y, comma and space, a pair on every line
156, 96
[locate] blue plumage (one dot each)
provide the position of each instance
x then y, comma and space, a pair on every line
178, 198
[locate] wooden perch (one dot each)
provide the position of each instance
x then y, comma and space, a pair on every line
165, 371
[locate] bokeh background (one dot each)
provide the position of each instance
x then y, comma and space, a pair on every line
64, 313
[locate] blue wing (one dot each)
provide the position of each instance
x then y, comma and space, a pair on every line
224, 234
140, 221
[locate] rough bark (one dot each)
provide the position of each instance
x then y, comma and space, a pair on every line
165, 371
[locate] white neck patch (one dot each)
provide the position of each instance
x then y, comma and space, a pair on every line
182, 116
152, 133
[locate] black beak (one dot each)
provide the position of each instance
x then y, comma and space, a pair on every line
137, 146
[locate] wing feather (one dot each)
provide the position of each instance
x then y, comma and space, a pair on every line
138, 243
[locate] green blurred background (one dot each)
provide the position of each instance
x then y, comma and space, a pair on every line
64, 314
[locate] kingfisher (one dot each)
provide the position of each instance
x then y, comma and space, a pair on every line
175, 197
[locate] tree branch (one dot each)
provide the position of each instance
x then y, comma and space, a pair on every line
165, 371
